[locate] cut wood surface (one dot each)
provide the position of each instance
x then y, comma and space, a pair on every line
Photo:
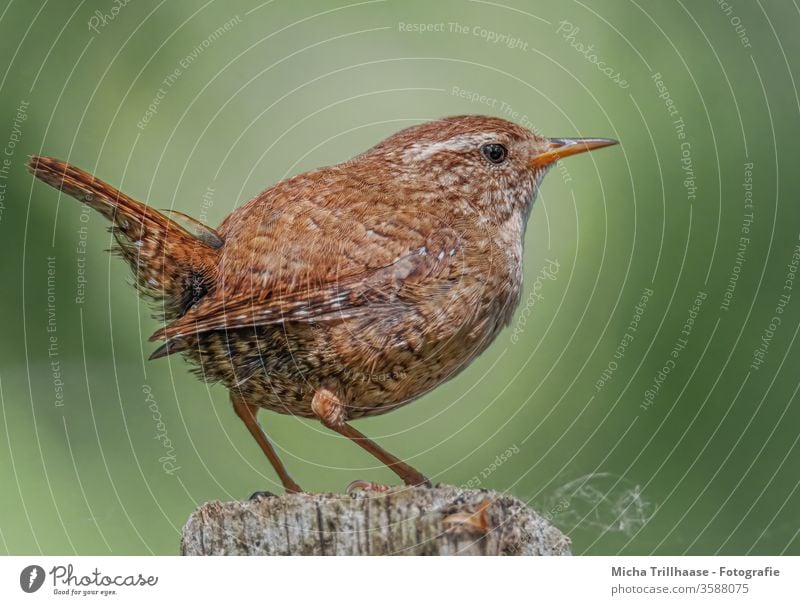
443, 520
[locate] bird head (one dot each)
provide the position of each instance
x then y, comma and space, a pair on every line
494, 164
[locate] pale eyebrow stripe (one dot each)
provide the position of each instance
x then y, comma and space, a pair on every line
421, 151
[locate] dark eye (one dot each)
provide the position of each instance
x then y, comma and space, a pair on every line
495, 153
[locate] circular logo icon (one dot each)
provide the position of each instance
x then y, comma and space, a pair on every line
31, 578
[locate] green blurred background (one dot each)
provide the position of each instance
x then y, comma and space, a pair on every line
707, 464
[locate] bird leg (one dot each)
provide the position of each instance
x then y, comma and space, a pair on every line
247, 412
330, 410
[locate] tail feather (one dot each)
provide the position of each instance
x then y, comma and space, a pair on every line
170, 265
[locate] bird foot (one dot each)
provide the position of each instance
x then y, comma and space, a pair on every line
261, 495
366, 486
422, 482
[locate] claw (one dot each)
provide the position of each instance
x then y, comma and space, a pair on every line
367, 486
259, 495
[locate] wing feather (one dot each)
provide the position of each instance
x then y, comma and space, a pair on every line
377, 291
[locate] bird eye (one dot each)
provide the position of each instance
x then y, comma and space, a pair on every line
495, 153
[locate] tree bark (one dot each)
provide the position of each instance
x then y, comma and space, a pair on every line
444, 520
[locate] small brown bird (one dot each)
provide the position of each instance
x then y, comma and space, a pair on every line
346, 291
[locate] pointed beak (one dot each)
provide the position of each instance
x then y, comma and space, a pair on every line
562, 148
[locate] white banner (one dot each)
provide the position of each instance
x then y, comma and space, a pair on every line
483, 580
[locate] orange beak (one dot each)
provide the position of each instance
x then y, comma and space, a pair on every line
562, 148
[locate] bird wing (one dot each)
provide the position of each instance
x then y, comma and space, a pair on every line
413, 276
320, 247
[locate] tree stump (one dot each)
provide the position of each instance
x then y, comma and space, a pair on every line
444, 520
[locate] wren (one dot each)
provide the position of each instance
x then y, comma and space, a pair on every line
346, 291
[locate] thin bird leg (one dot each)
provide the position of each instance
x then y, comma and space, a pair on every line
330, 410
247, 412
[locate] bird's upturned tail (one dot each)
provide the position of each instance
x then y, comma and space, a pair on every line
171, 265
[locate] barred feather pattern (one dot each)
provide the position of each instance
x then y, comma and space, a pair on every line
172, 268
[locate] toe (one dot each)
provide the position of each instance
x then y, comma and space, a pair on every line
366, 486
259, 495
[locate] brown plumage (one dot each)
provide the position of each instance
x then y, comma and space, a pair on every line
349, 290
